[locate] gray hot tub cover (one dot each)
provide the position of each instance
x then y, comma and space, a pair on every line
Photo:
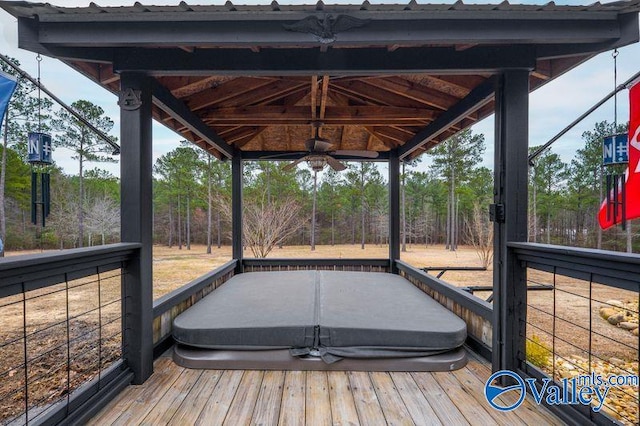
331, 313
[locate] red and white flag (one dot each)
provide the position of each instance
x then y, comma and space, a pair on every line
632, 174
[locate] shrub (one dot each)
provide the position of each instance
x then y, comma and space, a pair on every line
538, 353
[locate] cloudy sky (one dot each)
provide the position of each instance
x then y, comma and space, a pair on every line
552, 107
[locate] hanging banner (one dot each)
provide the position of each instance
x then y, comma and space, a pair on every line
626, 195
8, 84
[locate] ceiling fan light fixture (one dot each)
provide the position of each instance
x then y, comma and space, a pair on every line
317, 162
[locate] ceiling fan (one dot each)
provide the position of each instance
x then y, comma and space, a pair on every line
319, 154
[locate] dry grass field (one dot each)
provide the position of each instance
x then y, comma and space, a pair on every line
173, 267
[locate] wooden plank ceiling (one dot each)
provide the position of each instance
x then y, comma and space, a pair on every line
278, 113
257, 113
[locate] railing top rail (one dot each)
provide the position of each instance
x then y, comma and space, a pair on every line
587, 253
319, 262
621, 270
28, 260
51, 267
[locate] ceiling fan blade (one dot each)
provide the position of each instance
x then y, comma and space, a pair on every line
292, 164
356, 153
317, 145
335, 164
284, 154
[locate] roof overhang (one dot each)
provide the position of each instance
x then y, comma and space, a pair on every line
379, 77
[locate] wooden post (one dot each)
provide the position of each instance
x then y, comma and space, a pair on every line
510, 217
236, 209
394, 210
137, 220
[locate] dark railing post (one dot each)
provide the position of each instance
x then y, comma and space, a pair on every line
510, 217
394, 210
137, 220
236, 210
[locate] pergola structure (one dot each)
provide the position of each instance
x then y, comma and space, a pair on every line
245, 82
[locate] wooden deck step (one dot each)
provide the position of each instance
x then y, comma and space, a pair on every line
178, 396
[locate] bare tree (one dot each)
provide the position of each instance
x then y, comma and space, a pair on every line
103, 218
64, 220
479, 232
267, 225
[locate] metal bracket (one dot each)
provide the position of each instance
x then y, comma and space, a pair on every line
496, 213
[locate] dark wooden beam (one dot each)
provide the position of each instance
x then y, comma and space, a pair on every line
474, 100
394, 210
288, 155
265, 29
136, 209
511, 169
336, 61
236, 210
180, 112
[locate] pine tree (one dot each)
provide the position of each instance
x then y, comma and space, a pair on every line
454, 159
85, 145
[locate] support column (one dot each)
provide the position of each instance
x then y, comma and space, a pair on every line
394, 209
510, 216
137, 220
236, 209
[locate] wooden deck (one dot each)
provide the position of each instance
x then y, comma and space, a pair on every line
179, 396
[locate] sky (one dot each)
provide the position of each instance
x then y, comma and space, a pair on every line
552, 107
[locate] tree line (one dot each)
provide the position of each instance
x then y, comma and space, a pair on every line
443, 204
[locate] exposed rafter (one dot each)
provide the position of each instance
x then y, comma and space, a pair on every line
180, 112
474, 100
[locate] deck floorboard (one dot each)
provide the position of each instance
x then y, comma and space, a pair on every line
179, 396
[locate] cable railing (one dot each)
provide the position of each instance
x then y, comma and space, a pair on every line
586, 328
62, 341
